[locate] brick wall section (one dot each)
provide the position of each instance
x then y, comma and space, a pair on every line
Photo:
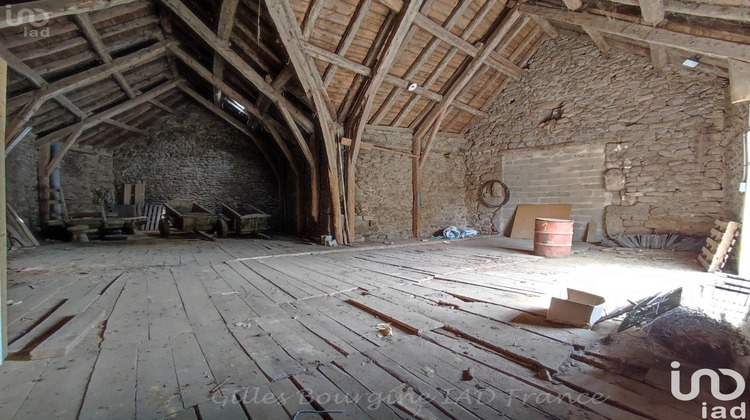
196, 156
559, 175
672, 141
384, 188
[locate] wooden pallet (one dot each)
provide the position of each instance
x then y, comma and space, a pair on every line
153, 213
719, 245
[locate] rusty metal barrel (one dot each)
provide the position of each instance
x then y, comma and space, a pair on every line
553, 238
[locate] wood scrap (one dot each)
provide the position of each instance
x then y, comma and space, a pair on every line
66, 338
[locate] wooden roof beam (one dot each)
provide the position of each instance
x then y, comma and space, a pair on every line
325, 55
258, 81
93, 37
445, 61
424, 55
347, 38
703, 9
598, 39
110, 113
294, 40
226, 24
392, 49
473, 66
652, 11
573, 4
44, 10
693, 44
495, 60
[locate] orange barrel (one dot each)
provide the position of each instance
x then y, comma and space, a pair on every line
553, 238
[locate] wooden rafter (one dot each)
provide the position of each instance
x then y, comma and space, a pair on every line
417, 64
45, 10
737, 13
445, 60
391, 51
93, 37
226, 24
347, 38
250, 108
293, 40
466, 75
258, 81
705, 46
398, 83
110, 113
44, 91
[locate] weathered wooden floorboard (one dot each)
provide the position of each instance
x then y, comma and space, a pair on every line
157, 390
269, 289
18, 379
111, 391
128, 322
166, 313
258, 302
193, 373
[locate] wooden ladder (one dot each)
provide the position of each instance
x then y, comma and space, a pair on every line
719, 245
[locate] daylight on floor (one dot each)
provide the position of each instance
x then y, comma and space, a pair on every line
375, 209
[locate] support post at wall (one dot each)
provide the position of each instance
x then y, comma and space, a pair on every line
44, 156
3, 227
743, 262
416, 184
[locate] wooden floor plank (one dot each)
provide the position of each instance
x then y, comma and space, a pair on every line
271, 358
158, 392
358, 393
128, 322
264, 286
229, 410
166, 313
327, 396
291, 398
193, 373
18, 379
48, 399
111, 392
261, 304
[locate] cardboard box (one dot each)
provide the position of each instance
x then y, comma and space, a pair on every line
580, 309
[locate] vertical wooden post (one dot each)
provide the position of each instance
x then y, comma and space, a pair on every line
416, 184
3, 227
743, 262
45, 154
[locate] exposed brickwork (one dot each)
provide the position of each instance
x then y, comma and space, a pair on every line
672, 141
559, 175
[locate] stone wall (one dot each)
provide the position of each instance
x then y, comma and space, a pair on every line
672, 141
22, 186
384, 188
196, 156
84, 171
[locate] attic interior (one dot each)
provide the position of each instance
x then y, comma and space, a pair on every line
432, 209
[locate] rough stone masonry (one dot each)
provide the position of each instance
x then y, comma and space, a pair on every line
672, 141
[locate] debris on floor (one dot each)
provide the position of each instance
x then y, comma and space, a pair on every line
456, 232
580, 309
647, 309
671, 241
385, 330
697, 338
